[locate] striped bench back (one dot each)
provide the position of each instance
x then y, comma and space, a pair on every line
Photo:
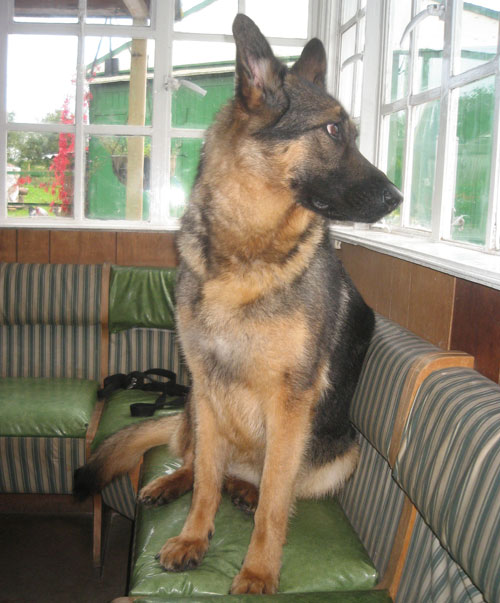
50, 320
396, 364
449, 464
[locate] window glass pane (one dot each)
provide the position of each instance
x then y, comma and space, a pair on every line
117, 177
426, 124
397, 55
192, 110
210, 66
474, 136
429, 35
356, 109
348, 44
349, 8
395, 152
41, 78
202, 17
40, 174
188, 53
185, 154
113, 77
280, 18
478, 33
361, 34
117, 12
345, 86
58, 11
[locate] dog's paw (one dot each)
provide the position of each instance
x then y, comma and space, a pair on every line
166, 488
254, 583
179, 554
244, 495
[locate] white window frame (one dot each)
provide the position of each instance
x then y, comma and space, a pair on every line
161, 30
433, 249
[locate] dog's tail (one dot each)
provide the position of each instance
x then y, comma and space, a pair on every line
119, 453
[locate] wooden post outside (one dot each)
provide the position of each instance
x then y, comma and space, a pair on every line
136, 117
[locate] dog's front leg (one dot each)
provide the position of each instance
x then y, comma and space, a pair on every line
187, 550
287, 428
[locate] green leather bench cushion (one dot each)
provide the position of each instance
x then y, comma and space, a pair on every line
367, 596
116, 414
141, 297
46, 407
322, 554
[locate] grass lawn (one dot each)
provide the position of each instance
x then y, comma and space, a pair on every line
35, 196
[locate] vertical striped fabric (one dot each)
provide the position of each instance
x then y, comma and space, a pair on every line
120, 496
50, 320
392, 352
142, 349
50, 351
39, 465
373, 502
449, 464
431, 576
50, 294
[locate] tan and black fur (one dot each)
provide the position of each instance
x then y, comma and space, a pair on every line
272, 328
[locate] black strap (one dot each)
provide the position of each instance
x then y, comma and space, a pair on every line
144, 381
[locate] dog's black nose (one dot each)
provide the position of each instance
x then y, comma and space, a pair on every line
392, 196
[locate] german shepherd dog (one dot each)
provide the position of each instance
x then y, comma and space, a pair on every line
273, 331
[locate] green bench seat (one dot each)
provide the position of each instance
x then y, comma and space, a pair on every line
116, 414
46, 407
323, 553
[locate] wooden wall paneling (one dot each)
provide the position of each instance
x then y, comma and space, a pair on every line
33, 246
354, 259
146, 249
400, 292
8, 245
82, 247
382, 280
476, 326
431, 305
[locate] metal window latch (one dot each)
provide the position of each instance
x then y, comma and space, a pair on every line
432, 10
173, 83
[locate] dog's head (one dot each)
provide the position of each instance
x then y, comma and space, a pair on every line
290, 109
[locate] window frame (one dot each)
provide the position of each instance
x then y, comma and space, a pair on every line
161, 31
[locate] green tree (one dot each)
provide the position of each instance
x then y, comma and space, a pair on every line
33, 148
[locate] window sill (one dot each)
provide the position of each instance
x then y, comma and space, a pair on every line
462, 262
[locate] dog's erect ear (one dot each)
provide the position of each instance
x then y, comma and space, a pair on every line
312, 63
260, 75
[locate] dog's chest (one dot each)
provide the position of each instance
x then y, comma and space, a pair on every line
235, 347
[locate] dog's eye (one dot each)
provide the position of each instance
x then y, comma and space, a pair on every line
333, 131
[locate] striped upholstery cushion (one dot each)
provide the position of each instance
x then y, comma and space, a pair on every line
50, 320
430, 575
392, 352
142, 349
372, 501
449, 464
39, 465
50, 294
50, 351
